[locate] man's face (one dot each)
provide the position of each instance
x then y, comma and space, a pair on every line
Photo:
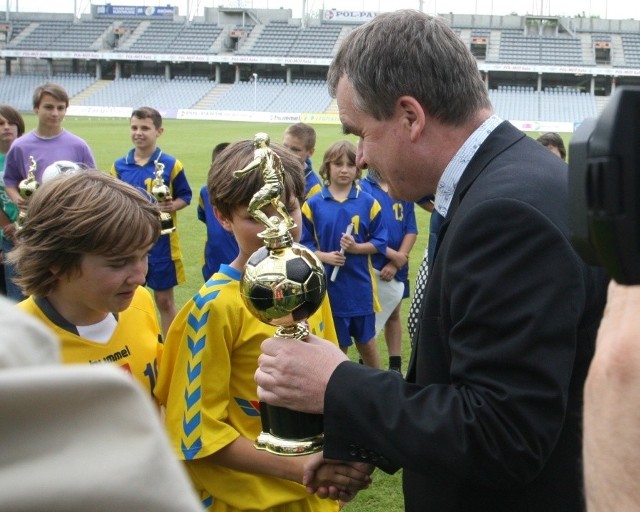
384, 145
296, 146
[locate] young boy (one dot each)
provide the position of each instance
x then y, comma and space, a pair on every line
326, 218
138, 168
11, 127
82, 258
47, 143
392, 268
211, 353
220, 246
300, 138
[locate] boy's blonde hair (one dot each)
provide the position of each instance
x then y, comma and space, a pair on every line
227, 192
305, 132
333, 154
73, 215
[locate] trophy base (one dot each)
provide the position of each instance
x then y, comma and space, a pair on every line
166, 224
289, 447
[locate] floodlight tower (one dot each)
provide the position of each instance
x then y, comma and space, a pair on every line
255, 92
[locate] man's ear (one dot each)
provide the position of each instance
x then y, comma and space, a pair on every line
224, 222
412, 115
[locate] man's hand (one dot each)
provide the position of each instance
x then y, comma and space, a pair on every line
294, 374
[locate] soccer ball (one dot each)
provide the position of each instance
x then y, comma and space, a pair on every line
282, 287
58, 168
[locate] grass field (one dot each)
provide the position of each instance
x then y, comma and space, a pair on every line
192, 142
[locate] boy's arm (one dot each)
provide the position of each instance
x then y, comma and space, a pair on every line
172, 205
400, 257
241, 455
15, 197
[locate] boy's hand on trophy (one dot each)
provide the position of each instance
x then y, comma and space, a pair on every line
166, 205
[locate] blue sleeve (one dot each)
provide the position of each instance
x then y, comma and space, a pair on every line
181, 188
201, 205
410, 224
308, 237
377, 229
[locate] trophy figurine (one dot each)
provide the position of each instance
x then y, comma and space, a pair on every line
282, 284
161, 192
26, 188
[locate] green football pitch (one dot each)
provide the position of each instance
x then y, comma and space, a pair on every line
192, 142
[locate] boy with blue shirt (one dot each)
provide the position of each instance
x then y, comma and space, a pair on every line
326, 216
138, 168
392, 268
300, 139
220, 246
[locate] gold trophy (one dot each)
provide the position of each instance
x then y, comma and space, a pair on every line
161, 192
26, 188
282, 284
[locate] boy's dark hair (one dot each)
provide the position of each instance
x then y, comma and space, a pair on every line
55, 90
13, 117
554, 140
73, 215
304, 132
219, 148
333, 154
227, 192
148, 113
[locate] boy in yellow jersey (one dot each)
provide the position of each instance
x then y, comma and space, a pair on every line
211, 352
82, 260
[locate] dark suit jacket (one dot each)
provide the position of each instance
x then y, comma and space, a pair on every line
489, 419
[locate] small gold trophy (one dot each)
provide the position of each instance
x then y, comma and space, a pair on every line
161, 192
26, 188
282, 284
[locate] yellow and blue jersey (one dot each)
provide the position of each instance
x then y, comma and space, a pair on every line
220, 246
141, 177
399, 217
206, 381
324, 220
134, 345
312, 183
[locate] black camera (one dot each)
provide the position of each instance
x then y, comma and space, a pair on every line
604, 187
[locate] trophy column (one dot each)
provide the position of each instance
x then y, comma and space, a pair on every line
26, 188
283, 283
161, 192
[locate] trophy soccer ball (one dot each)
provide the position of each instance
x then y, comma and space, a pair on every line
58, 168
282, 287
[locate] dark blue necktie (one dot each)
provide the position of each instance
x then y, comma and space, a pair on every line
423, 272
434, 229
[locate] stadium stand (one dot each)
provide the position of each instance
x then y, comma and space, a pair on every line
17, 90
537, 68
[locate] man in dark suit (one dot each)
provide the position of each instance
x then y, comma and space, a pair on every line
489, 416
